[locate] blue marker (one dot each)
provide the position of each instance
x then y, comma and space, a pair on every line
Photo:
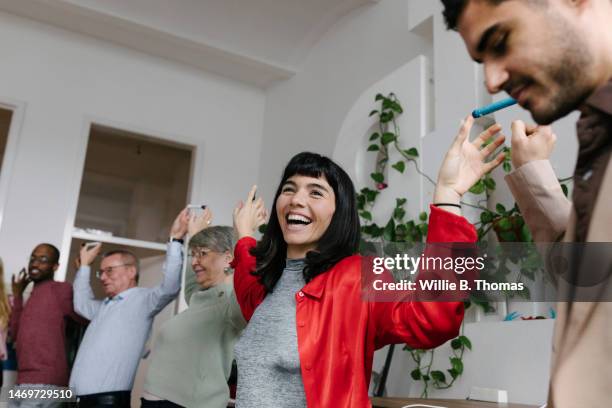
494, 107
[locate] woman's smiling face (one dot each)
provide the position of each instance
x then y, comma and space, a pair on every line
305, 208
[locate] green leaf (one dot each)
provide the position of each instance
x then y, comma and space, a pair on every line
412, 152
423, 216
374, 136
486, 217
387, 138
262, 228
371, 195
361, 200
399, 213
564, 189
373, 148
397, 107
453, 373
489, 183
508, 236
374, 112
438, 376
500, 209
400, 202
366, 215
426, 377
466, 342
378, 97
400, 232
456, 344
525, 234
386, 117
378, 177
505, 224
399, 166
416, 374
507, 167
478, 188
389, 232
457, 364
423, 229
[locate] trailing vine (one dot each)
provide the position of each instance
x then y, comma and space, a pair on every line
398, 229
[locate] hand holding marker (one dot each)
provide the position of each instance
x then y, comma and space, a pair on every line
494, 107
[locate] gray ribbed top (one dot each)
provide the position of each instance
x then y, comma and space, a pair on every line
267, 352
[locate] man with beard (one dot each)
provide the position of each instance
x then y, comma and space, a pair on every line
39, 327
554, 57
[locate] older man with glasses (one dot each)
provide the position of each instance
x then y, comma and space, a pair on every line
39, 327
106, 363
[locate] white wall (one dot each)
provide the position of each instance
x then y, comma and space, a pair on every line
307, 111
65, 80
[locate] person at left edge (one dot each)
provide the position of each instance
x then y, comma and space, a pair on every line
107, 360
39, 327
310, 337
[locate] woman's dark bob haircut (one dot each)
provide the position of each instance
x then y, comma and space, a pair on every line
341, 239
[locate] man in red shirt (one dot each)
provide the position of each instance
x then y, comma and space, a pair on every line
38, 328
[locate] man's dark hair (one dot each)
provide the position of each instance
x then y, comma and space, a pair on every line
454, 8
341, 239
55, 253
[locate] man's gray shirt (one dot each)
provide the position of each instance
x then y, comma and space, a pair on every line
113, 344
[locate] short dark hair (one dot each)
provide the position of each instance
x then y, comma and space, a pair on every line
341, 239
55, 253
454, 8
127, 257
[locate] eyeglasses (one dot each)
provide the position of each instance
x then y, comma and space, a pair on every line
198, 253
109, 270
40, 259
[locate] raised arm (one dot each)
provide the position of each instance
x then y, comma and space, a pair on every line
428, 324
170, 285
19, 283
534, 184
248, 217
84, 300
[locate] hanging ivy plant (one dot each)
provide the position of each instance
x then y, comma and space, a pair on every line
400, 229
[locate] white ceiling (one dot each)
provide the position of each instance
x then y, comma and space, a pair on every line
255, 41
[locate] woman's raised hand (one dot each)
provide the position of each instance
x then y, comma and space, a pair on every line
199, 222
248, 216
465, 162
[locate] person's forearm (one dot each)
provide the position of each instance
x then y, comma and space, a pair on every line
170, 285
83, 297
445, 195
538, 194
172, 275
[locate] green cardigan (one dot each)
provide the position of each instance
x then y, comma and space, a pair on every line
192, 357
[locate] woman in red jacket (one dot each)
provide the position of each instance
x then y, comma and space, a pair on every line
311, 338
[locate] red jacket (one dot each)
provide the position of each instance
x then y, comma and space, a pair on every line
338, 332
